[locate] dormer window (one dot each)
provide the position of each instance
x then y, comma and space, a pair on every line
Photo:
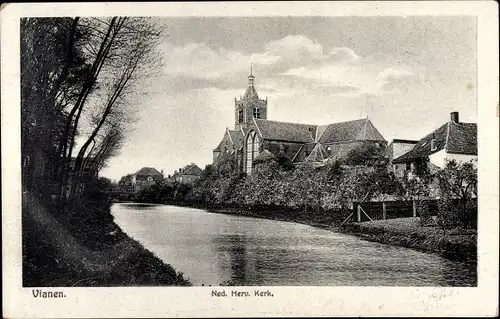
256, 112
433, 144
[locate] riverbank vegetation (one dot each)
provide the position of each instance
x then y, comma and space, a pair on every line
324, 196
457, 243
79, 78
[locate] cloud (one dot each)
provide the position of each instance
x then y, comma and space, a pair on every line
343, 55
200, 61
196, 65
294, 62
338, 89
391, 80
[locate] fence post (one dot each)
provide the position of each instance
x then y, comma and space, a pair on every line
359, 213
384, 211
414, 209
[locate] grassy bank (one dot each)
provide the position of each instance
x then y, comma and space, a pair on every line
456, 244
86, 248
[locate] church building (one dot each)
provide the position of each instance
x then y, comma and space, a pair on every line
255, 138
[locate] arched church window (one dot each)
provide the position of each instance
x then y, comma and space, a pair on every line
240, 116
252, 145
256, 112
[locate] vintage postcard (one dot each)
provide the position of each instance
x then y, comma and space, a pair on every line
239, 159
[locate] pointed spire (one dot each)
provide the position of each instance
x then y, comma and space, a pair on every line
251, 93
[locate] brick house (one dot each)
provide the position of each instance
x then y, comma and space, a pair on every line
146, 176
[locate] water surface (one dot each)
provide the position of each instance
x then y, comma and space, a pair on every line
212, 249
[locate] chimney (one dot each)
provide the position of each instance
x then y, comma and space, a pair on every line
454, 117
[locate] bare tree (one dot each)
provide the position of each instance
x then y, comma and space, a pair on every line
131, 56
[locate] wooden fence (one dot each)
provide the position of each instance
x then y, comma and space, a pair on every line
369, 211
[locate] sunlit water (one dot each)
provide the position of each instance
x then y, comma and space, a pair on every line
212, 249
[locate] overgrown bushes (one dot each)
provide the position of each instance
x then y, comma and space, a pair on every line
457, 204
328, 189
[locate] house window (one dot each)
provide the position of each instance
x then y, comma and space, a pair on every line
150, 178
256, 112
240, 116
408, 166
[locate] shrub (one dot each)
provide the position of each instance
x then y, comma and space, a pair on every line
448, 213
424, 213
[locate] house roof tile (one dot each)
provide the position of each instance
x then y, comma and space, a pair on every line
457, 138
149, 171
191, 169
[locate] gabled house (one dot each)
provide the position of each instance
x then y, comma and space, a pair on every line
146, 176
395, 149
188, 175
453, 140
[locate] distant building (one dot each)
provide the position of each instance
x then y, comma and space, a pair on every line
188, 175
453, 140
146, 176
255, 138
395, 149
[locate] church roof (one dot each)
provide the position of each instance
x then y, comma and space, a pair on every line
237, 138
251, 93
285, 131
456, 138
357, 130
317, 154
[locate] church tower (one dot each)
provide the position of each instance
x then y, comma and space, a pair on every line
249, 106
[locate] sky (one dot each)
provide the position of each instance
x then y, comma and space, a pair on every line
406, 74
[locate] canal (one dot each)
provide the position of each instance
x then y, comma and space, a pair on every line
214, 249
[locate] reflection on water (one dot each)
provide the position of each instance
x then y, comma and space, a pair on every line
214, 248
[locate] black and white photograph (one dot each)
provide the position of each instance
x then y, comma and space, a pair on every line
235, 153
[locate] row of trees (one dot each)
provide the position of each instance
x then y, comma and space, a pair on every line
79, 78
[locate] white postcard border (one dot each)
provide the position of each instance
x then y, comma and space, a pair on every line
287, 301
